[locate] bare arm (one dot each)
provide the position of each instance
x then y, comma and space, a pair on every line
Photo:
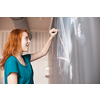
43, 52
45, 49
12, 78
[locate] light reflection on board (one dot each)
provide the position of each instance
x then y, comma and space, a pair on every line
64, 48
63, 41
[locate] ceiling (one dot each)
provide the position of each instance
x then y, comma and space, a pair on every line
35, 23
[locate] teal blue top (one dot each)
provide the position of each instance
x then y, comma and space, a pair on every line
25, 73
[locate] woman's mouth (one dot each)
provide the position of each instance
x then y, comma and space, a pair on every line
27, 45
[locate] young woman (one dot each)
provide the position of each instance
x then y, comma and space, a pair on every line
17, 67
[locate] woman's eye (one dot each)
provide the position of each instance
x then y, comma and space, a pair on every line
26, 37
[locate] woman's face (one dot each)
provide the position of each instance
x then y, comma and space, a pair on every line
25, 42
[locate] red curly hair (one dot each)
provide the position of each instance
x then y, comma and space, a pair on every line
12, 46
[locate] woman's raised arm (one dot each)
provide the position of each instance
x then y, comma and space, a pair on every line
45, 49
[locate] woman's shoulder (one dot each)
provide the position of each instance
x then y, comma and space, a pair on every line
11, 59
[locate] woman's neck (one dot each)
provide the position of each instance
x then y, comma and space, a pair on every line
19, 56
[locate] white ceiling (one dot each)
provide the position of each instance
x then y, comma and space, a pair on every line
35, 23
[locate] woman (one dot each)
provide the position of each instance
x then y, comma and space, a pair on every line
17, 67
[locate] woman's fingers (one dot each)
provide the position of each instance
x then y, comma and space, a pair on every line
53, 30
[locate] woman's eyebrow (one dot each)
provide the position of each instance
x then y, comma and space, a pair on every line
27, 36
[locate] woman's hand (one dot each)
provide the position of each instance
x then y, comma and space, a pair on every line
53, 32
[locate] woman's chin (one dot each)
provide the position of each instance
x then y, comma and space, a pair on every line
26, 50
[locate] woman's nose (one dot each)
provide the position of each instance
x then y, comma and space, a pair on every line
29, 40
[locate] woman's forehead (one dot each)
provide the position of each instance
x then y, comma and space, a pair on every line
25, 34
